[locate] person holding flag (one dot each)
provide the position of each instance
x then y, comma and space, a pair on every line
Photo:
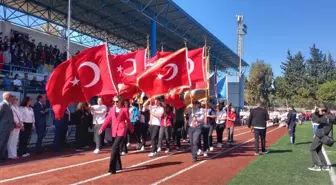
196, 118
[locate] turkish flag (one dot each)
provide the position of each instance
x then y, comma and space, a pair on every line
197, 68
62, 89
169, 73
154, 59
127, 67
173, 98
94, 72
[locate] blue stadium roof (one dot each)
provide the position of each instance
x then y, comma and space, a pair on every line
126, 23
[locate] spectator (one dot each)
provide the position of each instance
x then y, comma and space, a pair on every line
17, 83
28, 119
6, 82
25, 80
44, 82
34, 82
6, 122
14, 135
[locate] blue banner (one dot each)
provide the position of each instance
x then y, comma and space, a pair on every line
221, 85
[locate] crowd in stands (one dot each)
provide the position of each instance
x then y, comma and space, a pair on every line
20, 84
21, 51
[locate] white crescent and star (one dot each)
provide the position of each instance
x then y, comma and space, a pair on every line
96, 72
175, 71
134, 66
191, 66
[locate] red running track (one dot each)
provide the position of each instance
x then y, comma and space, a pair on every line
173, 168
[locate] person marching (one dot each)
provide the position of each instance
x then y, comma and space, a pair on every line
196, 118
99, 113
205, 128
135, 120
82, 118
118, 116
291, 124
220, 123
167, 122
156, 112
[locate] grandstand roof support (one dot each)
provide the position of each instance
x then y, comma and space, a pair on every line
153, 39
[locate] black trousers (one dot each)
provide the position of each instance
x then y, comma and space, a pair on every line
185, 131
98, 138
178, 133
262, 134
291, 132
115, 161
316, 152
81, 136
4, 137
41, 130
165, 132
154, 131
220, 130
205, 136
211, 129
194, 135
143, 133
60, 137
24, 138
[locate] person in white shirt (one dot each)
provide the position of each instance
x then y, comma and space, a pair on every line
98, 112
156, 112
196, 118
17, 82
28, 119
220, 123
14, 135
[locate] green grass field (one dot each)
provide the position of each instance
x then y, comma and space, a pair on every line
286, 163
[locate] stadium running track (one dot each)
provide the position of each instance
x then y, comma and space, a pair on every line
173, 168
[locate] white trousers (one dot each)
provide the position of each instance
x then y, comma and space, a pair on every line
13, 143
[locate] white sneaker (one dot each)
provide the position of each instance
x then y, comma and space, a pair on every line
151, 146
105, 141
159, 149
167, 151
96, 151
219, 145
128, 144
123, 153
152, 154
205, 154
211, 149
142, 148
199, 152
26, 155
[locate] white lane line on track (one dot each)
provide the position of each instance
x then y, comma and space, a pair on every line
107, 174
204, 161
57, 169
84, 163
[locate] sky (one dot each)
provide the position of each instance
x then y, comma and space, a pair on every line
274, 26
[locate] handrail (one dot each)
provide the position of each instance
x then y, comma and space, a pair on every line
11, 68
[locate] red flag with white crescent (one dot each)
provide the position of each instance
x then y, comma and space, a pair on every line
169, 73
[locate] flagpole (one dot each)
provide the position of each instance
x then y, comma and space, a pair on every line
207, 74
216, 82
68, 30
227, 87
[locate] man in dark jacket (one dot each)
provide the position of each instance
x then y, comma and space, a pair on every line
257, 122
291, 124
325, 120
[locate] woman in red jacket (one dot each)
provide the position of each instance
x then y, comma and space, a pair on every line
120, 123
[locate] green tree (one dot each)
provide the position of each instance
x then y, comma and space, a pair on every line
327, 91
294, 75
259, 84
282, 91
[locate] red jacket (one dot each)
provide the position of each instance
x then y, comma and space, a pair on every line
169, 118
119, 124
230, 123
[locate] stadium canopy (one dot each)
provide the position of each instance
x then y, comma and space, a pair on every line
126, 24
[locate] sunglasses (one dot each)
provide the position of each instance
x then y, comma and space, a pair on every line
116, 101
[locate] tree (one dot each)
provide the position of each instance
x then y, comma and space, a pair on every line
294, 76
259, 84
282, 91
327, 91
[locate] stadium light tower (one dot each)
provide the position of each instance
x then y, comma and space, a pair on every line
241, 32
